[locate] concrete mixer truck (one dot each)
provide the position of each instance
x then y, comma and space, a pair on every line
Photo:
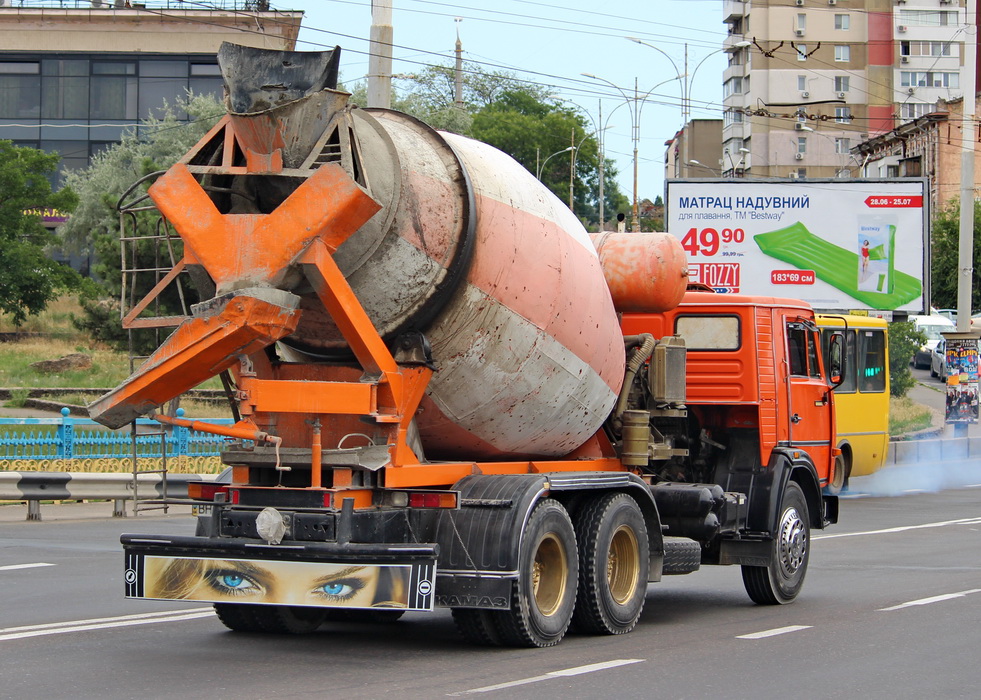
448, 395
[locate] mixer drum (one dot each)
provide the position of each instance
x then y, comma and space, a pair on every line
500, 276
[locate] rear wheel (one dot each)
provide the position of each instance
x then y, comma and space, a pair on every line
545, 592
781, 581
613, 565
275, 619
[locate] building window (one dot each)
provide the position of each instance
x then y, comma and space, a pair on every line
20, 90
843, 115
733, 86
843, 145
113, 90
64, 89
928, 18
801, 82
732, 116
843, 53
841, 83
802, 144
842, 22
801, 173
915, 110
801, 22
939, 79
801, 51
892, 171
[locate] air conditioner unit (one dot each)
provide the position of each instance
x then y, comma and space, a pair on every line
911, 90
800, 3
794, 176
798, 156
904, 59
841, 95
901, 28
805, 94
799, 126
799, 32
835, 2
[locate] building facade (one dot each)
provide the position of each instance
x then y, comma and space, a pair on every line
695, 150
822, 76
928, 146
74, 76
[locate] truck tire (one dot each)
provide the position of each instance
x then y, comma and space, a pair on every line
272, 619
382, 617
614, 558
781, 581
477, 626
548, 570
681, 556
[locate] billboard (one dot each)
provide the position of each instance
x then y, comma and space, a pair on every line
836, 244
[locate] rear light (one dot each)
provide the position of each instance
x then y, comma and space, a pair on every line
205, 491
234, 493
437, 499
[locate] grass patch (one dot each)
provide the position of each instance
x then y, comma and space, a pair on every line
907, 416
54, 321
108, 369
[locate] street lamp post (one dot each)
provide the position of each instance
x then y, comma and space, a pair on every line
572, 168
686, 86
638, 103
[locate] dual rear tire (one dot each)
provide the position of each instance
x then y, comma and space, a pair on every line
591, 574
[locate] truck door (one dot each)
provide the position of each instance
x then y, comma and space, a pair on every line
811, 422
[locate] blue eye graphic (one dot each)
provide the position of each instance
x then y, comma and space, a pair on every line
231, 582
337, 589
341, 589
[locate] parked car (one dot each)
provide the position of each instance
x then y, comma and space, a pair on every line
931, 326
938, 360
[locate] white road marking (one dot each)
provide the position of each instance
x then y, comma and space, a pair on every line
774, 632
14, 567
973, 486
103, 623
576, 671
891, 530
932, 599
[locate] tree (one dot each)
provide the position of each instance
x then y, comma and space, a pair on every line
531, 129
904, 341
155, 146
944, 252
29, 279
522, 120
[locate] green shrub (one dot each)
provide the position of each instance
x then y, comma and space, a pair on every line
904, 341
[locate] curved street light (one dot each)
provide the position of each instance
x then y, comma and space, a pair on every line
542, 166
638, 103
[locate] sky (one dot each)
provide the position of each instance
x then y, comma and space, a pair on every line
552, 43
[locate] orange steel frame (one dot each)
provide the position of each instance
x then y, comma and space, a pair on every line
305, 230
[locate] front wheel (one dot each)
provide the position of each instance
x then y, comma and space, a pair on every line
781, 581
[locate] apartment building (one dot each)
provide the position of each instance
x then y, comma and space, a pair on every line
822, 76
75, 75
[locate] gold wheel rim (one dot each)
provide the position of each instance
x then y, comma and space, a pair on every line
549, 572
623, 564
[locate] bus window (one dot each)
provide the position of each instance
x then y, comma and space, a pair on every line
872, 367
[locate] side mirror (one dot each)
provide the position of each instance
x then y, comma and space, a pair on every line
835, 360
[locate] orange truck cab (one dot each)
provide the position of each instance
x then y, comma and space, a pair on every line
761, 406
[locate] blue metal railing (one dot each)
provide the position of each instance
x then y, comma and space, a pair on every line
82, 438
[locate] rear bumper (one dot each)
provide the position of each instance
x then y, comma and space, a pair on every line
320, 574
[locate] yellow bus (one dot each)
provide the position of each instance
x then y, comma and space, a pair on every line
862, 400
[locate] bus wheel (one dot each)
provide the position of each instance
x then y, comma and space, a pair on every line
275, 619
613, 565
545, 592
781, 581
840, 476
